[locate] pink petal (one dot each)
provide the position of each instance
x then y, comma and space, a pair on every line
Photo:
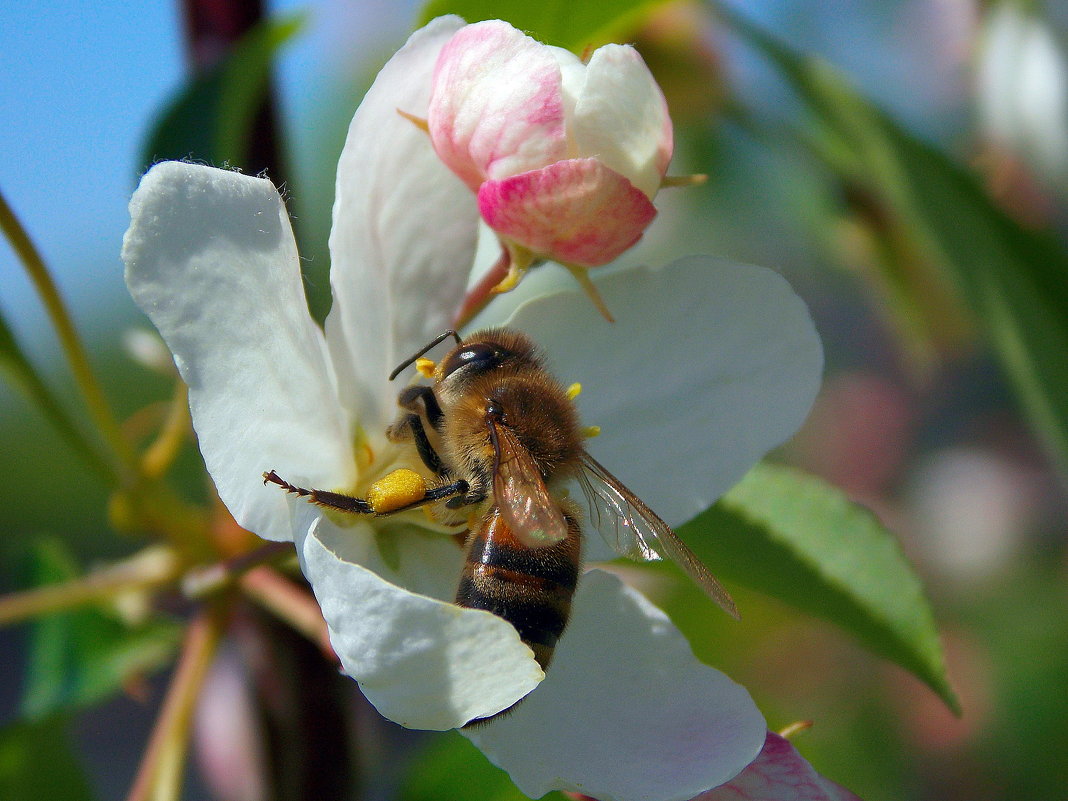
575, 211
779, 773
496, 108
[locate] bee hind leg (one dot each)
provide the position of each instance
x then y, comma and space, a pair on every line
330, 500
378, 502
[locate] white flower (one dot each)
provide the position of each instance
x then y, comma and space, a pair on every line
1022, 89
709, 366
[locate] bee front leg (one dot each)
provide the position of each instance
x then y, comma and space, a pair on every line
409, 428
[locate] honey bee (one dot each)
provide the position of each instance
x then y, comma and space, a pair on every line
502, 438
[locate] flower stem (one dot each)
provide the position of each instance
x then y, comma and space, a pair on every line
121, 452
482, 293
159, 777
289, 602
150, 568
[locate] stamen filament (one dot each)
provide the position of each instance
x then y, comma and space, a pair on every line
164, 449
672, 181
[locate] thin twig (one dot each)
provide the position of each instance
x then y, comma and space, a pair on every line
159, 777
151, 567
290, 603
73, 349
207, 580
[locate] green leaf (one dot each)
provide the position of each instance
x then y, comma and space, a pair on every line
450, 768
1013, 280
211, 117
36, 762
568, 24
80, 657
802, 541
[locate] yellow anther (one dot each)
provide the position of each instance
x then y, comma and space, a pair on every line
396, 490
425, 367
591, 431
574, 391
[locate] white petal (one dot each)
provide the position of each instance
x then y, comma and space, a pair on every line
621, 118
210, 257
572, 82
422, 661
626, 712
708, 366
404, 232
1022, 89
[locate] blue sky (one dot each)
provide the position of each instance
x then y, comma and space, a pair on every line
79, 84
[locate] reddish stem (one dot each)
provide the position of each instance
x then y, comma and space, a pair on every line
482, 293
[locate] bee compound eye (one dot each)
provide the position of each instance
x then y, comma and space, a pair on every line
479, 356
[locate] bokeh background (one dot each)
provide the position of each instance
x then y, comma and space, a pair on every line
915, 421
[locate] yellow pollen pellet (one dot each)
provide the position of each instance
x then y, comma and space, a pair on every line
425, 367
574, 391
396, 490
591, 431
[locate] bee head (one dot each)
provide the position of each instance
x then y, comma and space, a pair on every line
485, 351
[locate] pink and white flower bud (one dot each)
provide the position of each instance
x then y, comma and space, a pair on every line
565, 157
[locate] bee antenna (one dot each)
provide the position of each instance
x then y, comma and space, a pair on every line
434, 343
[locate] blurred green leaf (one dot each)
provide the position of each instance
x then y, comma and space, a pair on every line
21, 373
210, 118
80, 657
557, 22
450, 768
802, 541
36, 762
1014, 280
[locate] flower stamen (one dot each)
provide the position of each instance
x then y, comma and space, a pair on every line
425, 367
418, 122
671, 181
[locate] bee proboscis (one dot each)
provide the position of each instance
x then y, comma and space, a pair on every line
501, 437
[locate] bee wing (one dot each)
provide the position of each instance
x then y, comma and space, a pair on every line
636, 531
520, 493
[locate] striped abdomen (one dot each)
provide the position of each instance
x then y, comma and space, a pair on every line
531, 588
